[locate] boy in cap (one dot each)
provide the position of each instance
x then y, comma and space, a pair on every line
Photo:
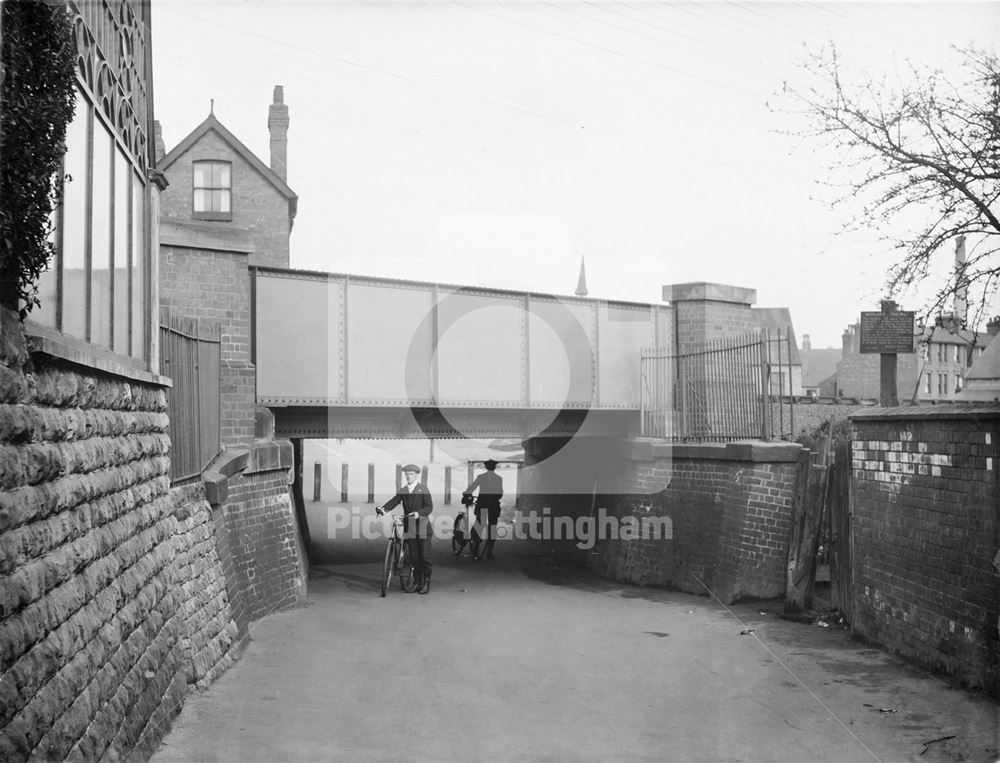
490, 486
417, 506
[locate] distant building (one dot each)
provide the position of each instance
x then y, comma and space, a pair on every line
935, 372
947, 354
819, 369
982, 380
786, 364
217, 181
859, 375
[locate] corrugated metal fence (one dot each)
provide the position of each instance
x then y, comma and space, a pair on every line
190, 351
719, 391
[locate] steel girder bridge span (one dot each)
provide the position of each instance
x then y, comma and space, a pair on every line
347, 356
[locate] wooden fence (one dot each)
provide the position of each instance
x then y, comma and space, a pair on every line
190, 351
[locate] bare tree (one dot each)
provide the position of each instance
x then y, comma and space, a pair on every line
920, 162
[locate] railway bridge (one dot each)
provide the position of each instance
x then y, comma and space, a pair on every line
348, 356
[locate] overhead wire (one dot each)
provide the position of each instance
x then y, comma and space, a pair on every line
612, 51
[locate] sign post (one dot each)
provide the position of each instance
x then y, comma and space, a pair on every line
888, 332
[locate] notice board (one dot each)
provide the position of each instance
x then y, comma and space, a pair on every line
887, 332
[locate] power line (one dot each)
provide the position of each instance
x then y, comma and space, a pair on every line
612, 51
386, 73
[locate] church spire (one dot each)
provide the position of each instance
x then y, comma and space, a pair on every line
581, 284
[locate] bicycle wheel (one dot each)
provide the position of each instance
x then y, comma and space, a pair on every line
407, 579
458, 539
387, 565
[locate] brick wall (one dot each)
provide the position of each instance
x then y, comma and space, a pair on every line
115, 598
925, 504
702, 321
730, 509
258, 206
215, 285
261, 558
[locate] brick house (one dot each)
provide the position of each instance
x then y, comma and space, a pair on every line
819, 369
216, 180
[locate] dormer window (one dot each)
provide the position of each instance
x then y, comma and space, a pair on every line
213, 190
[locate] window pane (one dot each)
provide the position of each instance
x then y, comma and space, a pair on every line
201, 200
223, 201
224, 181
100, 261
74, 296
202, 174
121, 279
139, 255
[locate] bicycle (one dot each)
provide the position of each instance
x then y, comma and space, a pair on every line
397, 560
461, 532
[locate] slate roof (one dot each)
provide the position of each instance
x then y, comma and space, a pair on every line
819, 365
987, 365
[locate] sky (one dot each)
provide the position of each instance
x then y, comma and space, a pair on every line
498, 144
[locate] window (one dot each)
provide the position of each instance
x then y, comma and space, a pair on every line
213, 189
942, 384
95, 288
925, 352
941, 353
958, 354
958, 382
927, 383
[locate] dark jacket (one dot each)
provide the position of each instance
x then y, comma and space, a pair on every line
419, 501
490, 486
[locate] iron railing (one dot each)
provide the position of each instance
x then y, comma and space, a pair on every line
190, 354
736, 388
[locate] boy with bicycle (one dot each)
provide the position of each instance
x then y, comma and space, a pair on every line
490, 487
417, 506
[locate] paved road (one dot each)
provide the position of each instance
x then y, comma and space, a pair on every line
529, 659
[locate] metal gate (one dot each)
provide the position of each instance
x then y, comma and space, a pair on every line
725, 389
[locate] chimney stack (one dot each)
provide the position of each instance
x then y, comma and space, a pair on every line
277, 125
806, 343
993, 327
961, 292
159, 147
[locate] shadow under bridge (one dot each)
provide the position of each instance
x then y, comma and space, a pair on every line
353, 356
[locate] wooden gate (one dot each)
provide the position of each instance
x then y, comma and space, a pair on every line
821, 519
190, 352
839, 529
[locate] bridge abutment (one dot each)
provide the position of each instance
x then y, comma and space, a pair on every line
727, 507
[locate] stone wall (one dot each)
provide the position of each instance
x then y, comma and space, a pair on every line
926, 533
730, 510
114, 597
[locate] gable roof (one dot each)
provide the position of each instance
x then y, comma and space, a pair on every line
819, 365
987, 365
210, 124
777, 319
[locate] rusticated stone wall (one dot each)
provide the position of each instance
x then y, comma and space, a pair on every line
88, 646
114, 600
